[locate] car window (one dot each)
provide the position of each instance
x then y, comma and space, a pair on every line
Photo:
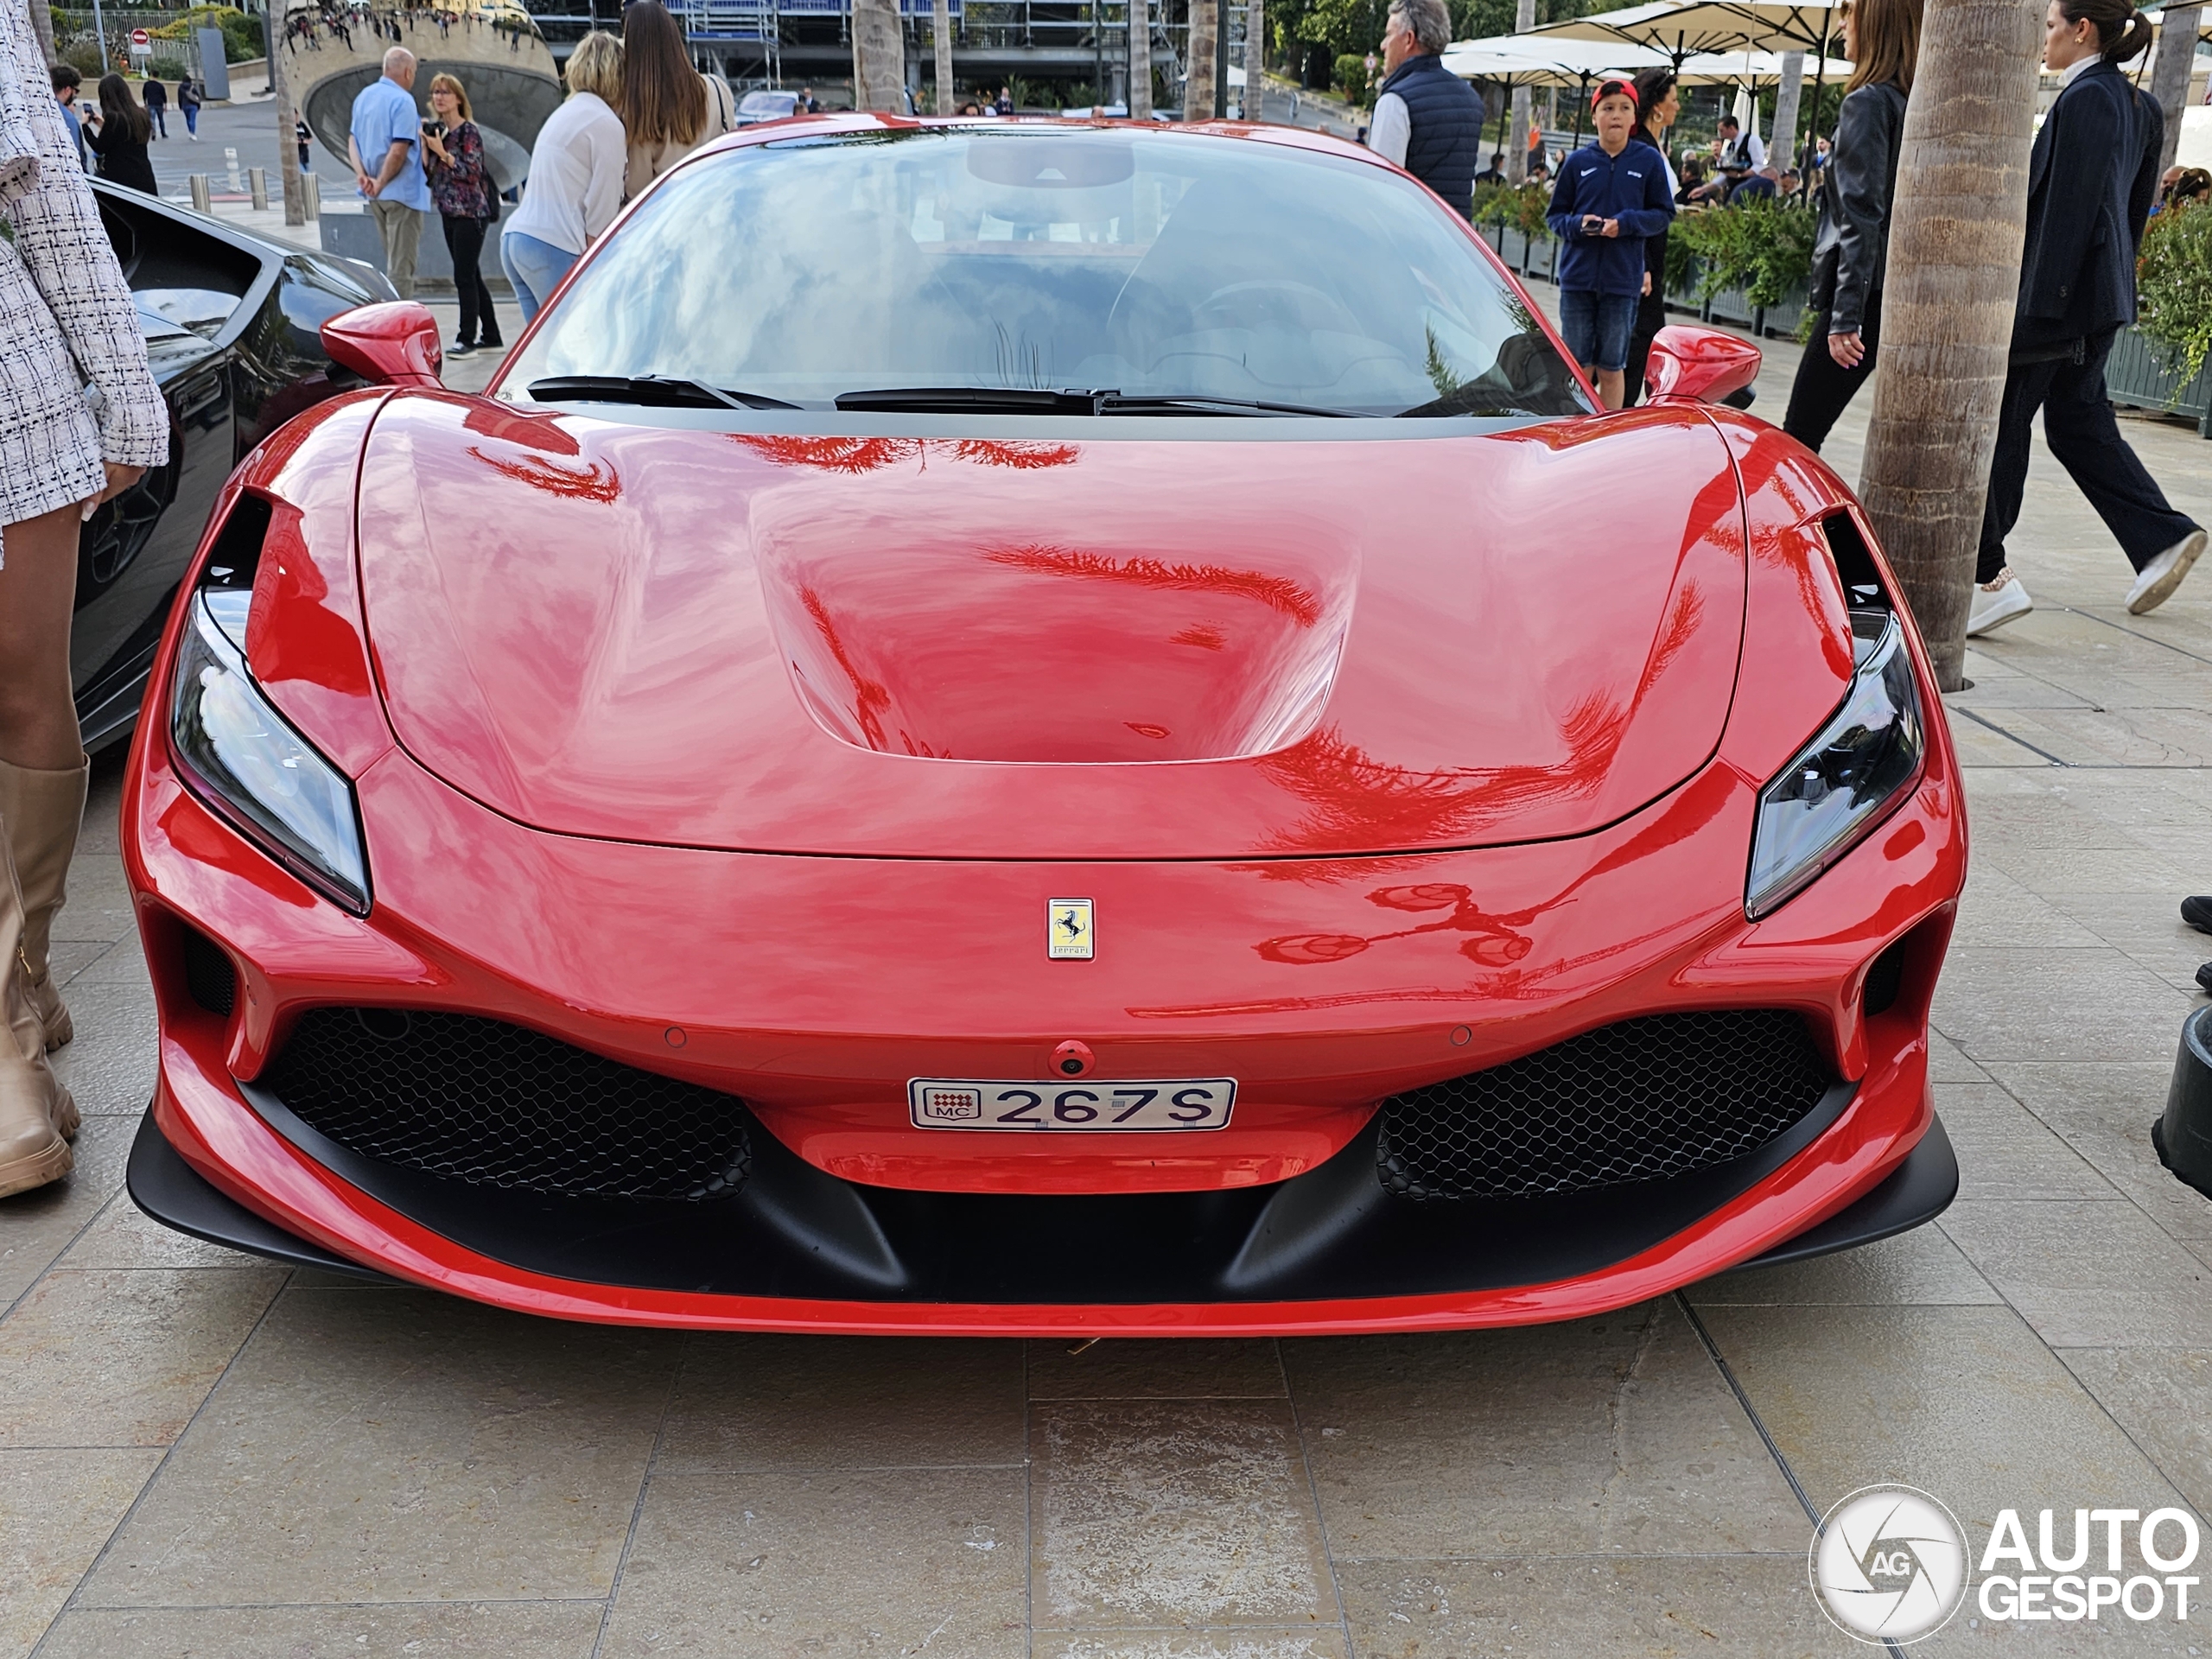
1043, 258
768, 104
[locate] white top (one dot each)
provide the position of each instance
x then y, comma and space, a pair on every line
76, 389
1753, 148
1391, 129
576, 176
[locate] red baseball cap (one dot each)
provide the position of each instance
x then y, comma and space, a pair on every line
1607, 88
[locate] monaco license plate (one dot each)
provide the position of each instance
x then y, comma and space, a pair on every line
964, 1104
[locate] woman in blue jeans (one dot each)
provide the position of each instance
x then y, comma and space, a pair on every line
575, 176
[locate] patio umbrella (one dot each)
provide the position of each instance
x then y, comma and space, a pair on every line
1528, 60
1690, 28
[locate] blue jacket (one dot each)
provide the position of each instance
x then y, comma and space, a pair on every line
1630, 188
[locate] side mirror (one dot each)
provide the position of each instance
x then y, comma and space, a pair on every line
393, 344
1701, 366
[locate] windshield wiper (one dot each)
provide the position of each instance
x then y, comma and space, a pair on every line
653, 391
1072, 400
1114, 402
971, 400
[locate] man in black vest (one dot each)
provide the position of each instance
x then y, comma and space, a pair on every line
1426, 119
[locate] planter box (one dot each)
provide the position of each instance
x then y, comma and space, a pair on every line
2136, 376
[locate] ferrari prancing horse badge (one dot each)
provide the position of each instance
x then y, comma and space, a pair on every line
1067, 929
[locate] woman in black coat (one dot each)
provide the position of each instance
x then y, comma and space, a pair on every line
118, 137
1882, 38
1657, 107
2091, 178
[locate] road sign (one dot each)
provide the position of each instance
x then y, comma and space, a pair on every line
140, 37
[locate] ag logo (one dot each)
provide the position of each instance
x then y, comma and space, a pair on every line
1889, 1564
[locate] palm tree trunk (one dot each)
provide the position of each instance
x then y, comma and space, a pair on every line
1140, 61
287, 145
42, 25
941, 33
1198, 61
2170, 71
1955, 231
1256, 60
1517, 143
878, 55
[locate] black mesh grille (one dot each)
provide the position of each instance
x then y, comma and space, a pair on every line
479, 1100
209, 974
1639, 1100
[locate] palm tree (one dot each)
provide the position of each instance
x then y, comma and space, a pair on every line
1955, 231
1198, 61
1140, 61
2170, 71
1255, 59
941, 38
878, 55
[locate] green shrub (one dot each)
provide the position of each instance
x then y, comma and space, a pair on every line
1764, 247
83, 55
165, 68
1518, 207
2173, 286
242, 36
1351, 79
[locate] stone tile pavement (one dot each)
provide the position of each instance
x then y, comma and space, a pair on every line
202, 1454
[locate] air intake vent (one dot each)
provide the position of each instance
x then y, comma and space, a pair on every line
209, 973
1640, 1101
479, 1100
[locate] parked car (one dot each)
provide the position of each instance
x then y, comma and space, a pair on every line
231, 324
765, 106
1005, 727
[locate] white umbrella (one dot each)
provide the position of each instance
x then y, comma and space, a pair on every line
1546, 60
1686, 29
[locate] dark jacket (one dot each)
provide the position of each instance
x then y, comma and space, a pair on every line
1444, 115
121, 159
2091, 179
1851, 247
155, 96
1630, 188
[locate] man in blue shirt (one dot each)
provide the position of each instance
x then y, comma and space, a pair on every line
385, 143
66, 83
1612, 194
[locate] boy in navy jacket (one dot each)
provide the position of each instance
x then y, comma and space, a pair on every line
1612, 194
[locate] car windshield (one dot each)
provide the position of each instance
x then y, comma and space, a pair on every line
768, 104
1019, 258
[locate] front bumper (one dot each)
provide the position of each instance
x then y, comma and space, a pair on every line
854, 1222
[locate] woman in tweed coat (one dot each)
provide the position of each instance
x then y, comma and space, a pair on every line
80, 418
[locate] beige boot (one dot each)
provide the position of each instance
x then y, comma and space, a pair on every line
33, 1106
43, 810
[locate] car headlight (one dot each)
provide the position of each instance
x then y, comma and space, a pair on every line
244, 756
1847, 776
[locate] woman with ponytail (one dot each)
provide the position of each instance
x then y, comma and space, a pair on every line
2091, 179
1656, 105
1851, 248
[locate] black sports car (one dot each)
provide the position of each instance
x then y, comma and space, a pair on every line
230, 323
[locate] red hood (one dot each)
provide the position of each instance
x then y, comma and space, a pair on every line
1038, 649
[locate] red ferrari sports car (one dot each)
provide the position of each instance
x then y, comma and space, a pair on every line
1042, 727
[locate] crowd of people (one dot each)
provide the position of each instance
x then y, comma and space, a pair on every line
634, 107
110, 138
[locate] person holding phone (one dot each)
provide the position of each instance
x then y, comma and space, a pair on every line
80, 420
120, 133
1612, 195
461, 191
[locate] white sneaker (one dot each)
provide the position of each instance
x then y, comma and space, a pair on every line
1994, 606
2155, 583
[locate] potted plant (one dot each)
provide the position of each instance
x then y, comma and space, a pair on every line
2160, 362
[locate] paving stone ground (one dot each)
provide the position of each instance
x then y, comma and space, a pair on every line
201, 1454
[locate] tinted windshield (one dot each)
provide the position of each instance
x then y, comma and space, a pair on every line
1042, 259
768, 104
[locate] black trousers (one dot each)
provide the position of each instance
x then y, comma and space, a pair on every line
1651, 318
1824, 388
464, 242
2078, 425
